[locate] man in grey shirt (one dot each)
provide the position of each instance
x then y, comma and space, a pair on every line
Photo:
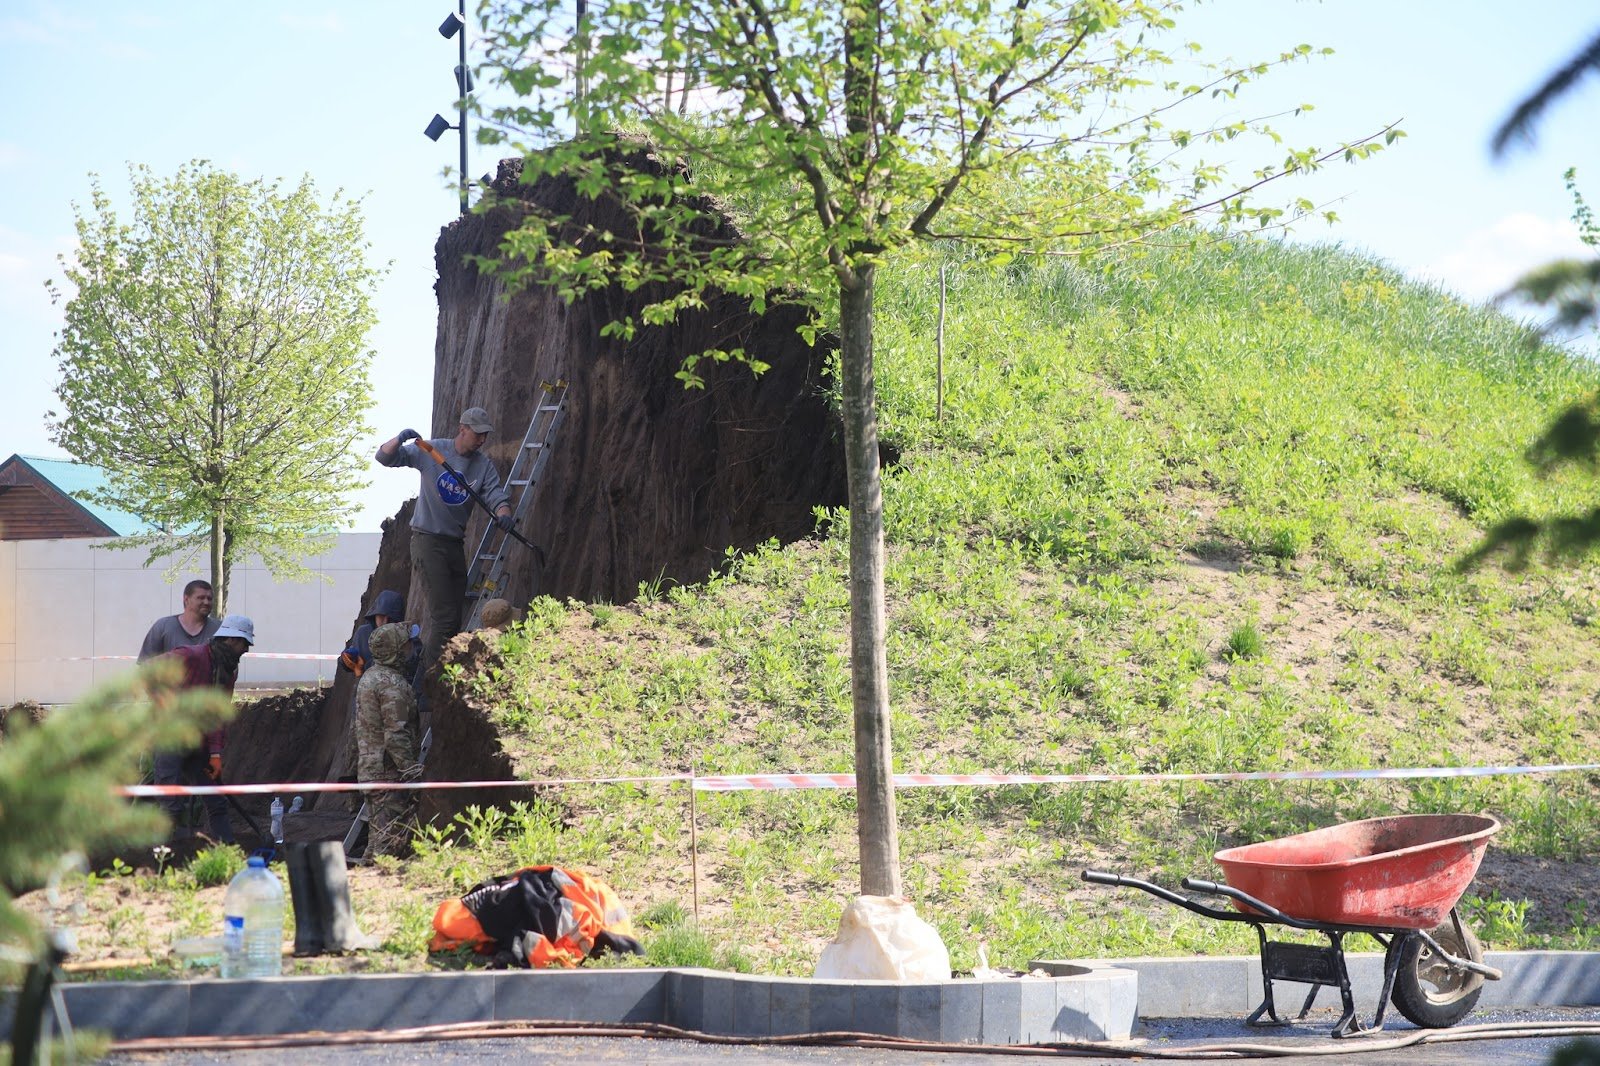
192, 627
439, 523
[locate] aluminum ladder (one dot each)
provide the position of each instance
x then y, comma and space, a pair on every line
488, 569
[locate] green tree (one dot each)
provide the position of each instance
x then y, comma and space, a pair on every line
212, 363
838, 135
58, 795
1571, 287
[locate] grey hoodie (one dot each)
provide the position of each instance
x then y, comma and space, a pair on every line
442, 507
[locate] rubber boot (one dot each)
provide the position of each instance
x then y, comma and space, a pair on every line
340, 931
309, 931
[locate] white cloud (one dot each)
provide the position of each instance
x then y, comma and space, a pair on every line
1486, 261
126, 50
47, 27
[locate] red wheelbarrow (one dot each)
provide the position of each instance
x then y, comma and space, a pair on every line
1396, 879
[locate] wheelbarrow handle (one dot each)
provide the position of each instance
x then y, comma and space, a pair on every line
1100, 877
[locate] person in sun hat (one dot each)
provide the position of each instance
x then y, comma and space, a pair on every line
439, 523
215, 663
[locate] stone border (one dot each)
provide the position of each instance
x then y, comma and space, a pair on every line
1079, 1003
1226, 986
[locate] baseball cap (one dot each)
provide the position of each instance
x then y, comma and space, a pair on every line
237, 625
477, 420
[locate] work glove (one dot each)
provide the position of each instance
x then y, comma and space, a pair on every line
350, 659
505, 522
412, 773
214, 767
407, 434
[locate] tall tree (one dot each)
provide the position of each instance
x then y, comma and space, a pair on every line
213, 363
837, 134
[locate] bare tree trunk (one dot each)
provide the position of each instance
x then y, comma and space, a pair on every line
877, 829
219, 569
219, 517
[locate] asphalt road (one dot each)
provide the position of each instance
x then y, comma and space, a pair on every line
1174, 1036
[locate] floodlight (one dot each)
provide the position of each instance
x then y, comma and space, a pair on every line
450, 26
436, 128
463, 81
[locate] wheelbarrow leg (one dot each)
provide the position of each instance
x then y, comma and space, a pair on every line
1347, 1024
1268, 1006
1392, 954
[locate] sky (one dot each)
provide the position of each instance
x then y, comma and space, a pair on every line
342, 91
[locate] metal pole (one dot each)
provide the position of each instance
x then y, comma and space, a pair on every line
461, 125
580, 75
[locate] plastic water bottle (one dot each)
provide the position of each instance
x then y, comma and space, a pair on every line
252, 923
277, 820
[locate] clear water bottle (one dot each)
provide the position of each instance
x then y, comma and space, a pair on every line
277, 820
252, 923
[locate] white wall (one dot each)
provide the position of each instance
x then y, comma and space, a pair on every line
65, 605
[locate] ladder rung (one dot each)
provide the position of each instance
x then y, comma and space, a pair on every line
535, 444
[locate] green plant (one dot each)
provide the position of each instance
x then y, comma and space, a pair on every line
216, 865
1244, 642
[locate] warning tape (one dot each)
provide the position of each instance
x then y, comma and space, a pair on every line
148, 791
745, 782
131, 658
790, 782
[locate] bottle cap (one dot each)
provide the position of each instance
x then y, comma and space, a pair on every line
257, 861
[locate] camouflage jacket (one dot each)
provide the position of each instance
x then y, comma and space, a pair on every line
386, 724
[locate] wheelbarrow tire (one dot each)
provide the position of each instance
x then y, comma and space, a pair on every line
1429, 991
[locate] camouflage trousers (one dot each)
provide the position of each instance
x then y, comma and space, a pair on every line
390, 817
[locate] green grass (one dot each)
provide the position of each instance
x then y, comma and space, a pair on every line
1184, 513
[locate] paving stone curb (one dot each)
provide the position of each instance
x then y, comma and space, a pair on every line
1231, 985
1079, 1003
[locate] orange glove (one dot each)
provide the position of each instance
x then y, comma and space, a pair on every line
351, 661
214, 767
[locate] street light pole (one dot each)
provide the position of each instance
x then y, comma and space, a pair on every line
461, 83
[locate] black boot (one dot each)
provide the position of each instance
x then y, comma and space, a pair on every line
309, 924
340, 931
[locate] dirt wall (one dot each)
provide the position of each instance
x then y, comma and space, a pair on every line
647, 480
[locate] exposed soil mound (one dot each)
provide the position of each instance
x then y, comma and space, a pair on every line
466, 745
647, 478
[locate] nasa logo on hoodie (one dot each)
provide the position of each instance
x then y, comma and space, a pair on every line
451, 489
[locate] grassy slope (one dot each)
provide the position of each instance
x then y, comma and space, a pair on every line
1193, 514
1138, 475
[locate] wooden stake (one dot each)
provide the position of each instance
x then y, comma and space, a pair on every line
939, 403
694, 850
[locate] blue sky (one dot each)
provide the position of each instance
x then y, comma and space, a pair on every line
342, 91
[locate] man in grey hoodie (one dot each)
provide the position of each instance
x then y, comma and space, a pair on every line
439, 523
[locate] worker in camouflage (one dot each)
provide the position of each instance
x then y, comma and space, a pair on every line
386, 740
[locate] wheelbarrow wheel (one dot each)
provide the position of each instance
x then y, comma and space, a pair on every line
1428, 990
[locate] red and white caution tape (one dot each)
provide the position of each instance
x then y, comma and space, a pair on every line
131, 658
150, 791
744, 782
790, 782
